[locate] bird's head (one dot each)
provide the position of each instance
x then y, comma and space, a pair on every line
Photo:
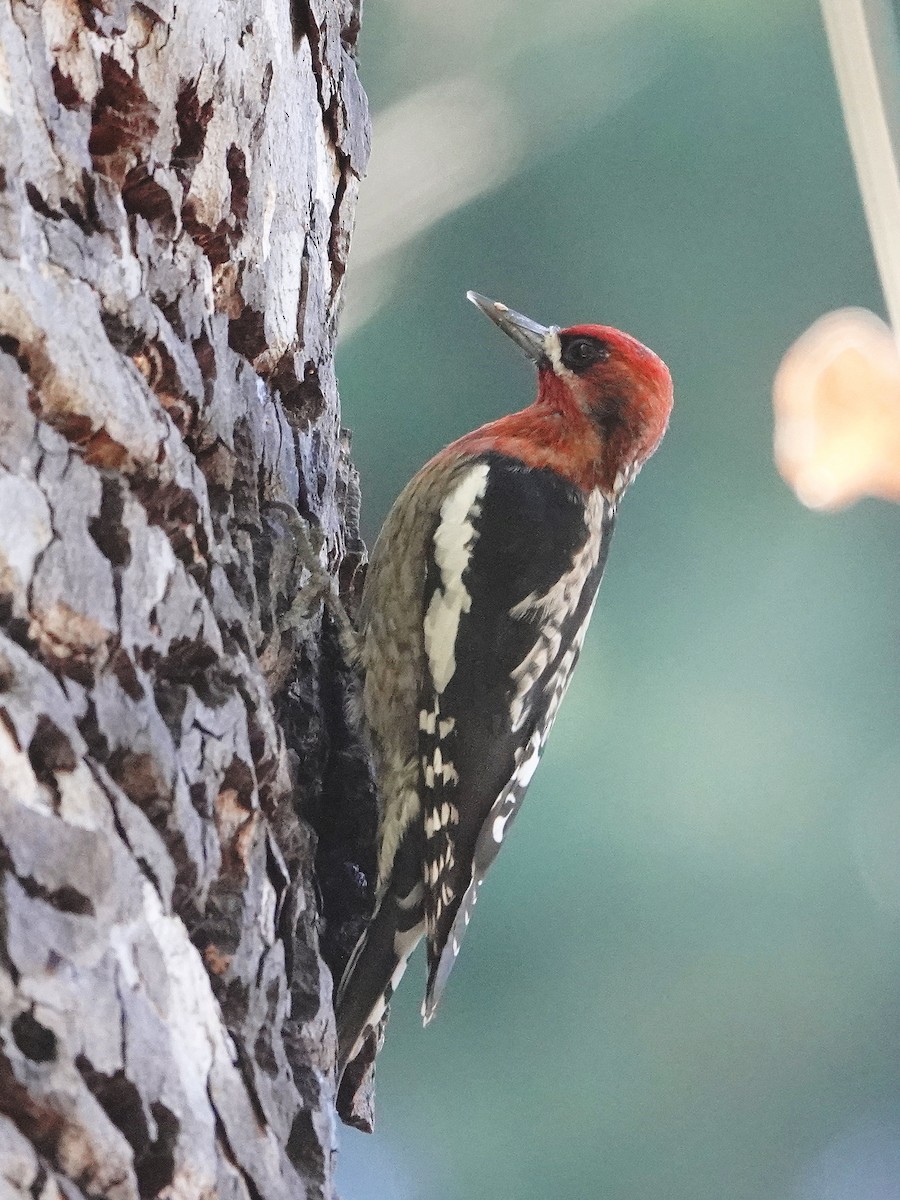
621, 386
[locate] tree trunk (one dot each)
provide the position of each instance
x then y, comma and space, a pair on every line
176, 196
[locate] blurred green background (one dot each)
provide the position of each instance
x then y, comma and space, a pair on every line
682, 983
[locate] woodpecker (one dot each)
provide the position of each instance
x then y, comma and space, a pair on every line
478, 595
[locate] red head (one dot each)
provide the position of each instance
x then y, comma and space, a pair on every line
603, 399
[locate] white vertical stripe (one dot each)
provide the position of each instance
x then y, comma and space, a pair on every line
453, 542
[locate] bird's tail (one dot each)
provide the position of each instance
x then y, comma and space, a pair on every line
375, 969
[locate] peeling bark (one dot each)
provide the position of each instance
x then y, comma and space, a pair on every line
177, 186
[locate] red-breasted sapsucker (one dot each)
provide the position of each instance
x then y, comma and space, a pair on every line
475, 607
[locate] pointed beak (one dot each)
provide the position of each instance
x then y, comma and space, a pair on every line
523, 331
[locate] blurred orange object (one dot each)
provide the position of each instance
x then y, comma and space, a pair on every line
837, 411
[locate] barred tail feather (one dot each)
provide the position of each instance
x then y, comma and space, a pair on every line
375, 970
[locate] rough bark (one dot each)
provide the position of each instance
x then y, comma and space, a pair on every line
177, 186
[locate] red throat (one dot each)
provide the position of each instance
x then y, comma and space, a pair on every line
597, 429
542, 436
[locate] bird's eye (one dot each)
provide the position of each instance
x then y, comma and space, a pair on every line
579, 353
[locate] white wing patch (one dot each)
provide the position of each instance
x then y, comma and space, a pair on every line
453, 541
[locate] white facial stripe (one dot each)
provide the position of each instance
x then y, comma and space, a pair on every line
453, 541
553, 350
625, 478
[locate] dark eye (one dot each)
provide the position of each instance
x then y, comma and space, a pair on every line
579, 353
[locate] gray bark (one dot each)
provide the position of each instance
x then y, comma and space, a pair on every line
177, 185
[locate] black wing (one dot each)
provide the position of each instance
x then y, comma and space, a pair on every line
535, 561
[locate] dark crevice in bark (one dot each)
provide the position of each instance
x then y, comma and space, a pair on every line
66, 899
124, 120
34, 1039
192, 119
107, 529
